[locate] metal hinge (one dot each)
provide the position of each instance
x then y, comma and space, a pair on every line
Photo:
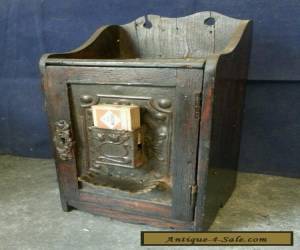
193, 194
198, 105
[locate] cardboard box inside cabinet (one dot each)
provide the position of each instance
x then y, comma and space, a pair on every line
119, 117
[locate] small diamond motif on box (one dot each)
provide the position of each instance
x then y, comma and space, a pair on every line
110, 119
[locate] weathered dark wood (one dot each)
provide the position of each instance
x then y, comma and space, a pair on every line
187, 125
128, 204
131, 217
187, 75
172, 37
223, 95
134, 63
112, 75
57, 106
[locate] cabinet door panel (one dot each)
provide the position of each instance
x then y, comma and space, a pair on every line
169, 128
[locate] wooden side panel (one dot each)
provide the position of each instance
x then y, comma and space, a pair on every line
224, 28
224, 90
185, 148
102, 45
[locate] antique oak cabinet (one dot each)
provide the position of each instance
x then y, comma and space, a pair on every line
187, 76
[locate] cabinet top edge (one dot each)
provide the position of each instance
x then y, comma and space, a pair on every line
135, 63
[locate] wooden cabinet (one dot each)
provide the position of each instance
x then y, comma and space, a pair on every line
187, 76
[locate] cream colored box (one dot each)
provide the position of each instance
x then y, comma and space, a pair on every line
119, 117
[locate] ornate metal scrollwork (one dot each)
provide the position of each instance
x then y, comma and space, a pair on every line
157, 120
62, 140
116, 139
156, 117
116, 147
133, 161
87, 101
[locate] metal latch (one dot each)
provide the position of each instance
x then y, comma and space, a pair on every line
193, 194
198, 105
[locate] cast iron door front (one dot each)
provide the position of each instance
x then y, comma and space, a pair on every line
169, 103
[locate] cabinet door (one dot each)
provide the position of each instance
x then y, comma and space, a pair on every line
169, 105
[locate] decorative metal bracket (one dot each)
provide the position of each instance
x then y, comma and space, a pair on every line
63, 140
